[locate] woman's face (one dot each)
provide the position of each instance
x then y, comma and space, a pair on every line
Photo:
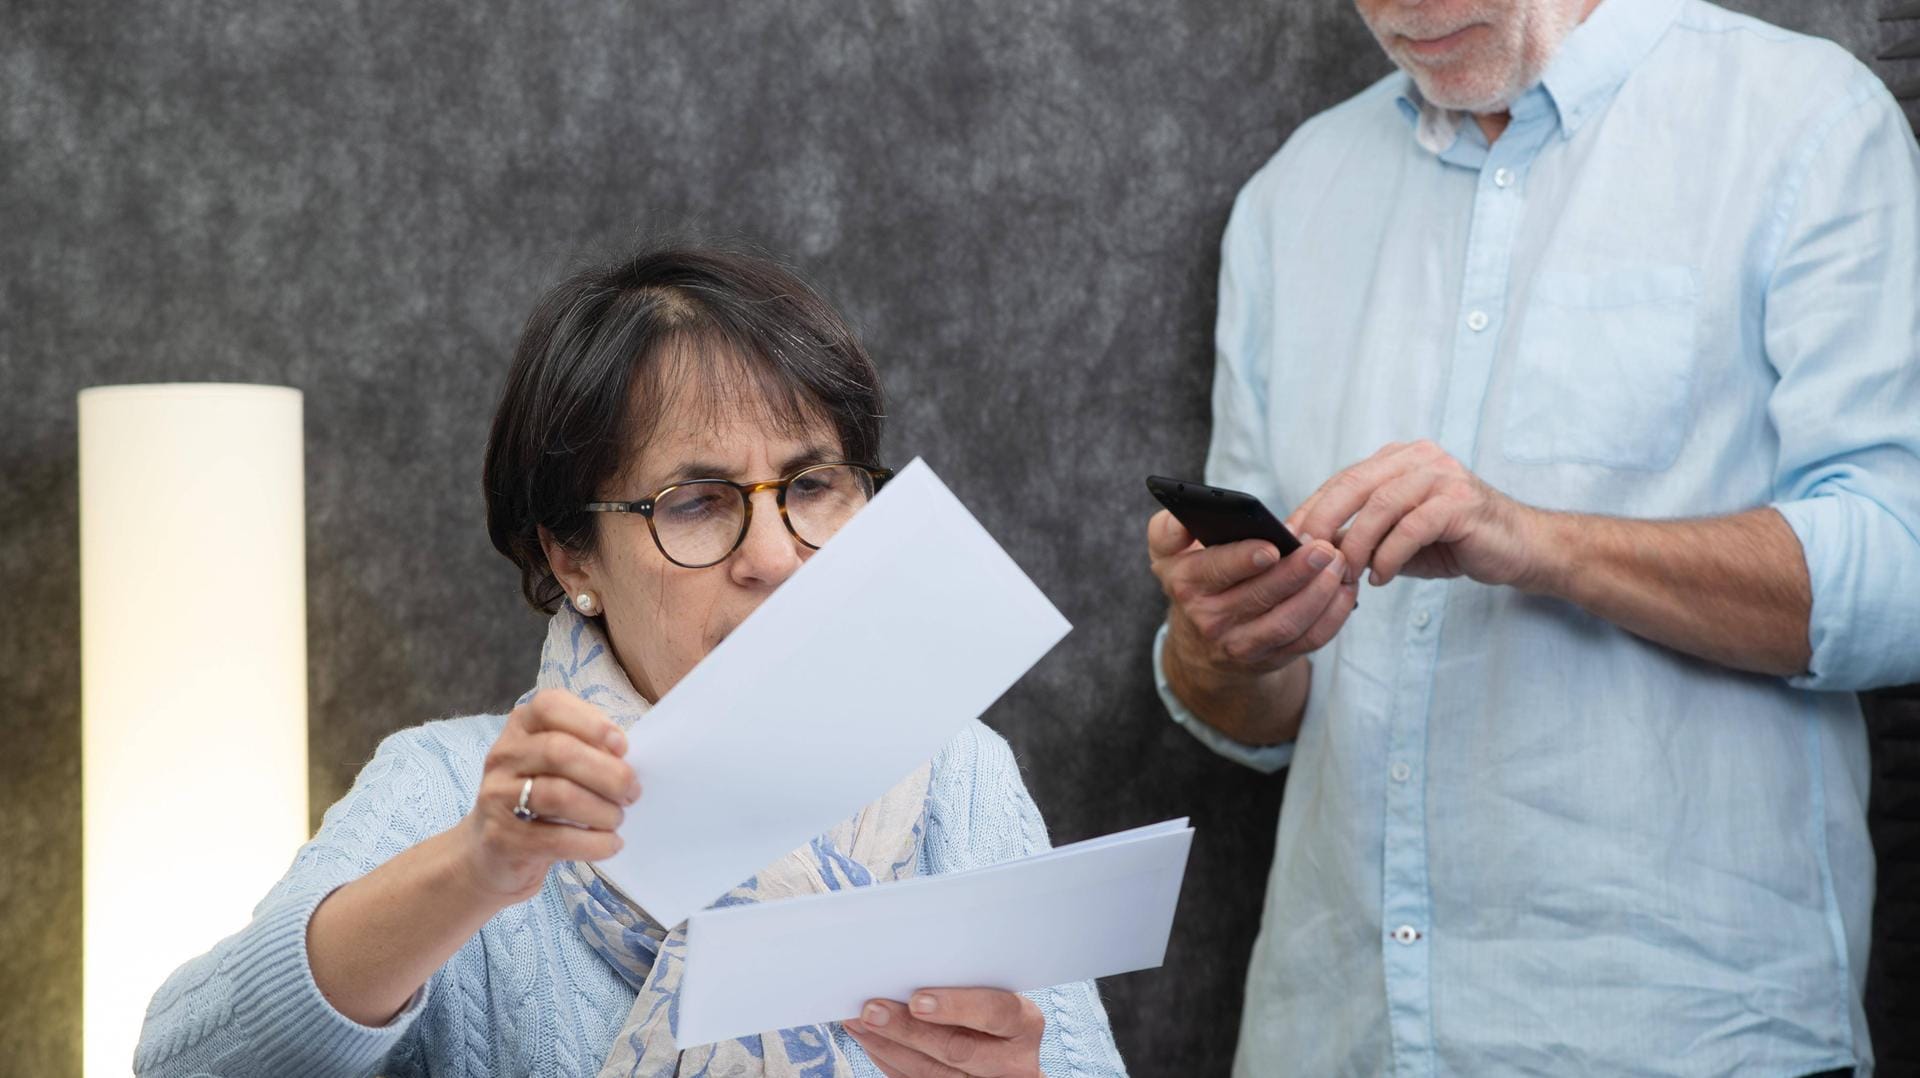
663, 618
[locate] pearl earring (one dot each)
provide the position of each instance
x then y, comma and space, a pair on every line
584, 602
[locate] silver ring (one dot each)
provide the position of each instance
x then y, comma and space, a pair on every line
523, 810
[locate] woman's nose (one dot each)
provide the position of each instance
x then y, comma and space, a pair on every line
769, 553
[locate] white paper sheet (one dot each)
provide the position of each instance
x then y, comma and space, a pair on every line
907, 624
1092, 909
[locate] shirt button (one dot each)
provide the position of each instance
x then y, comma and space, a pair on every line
1421, 618
1406, 934
1477, 321
1401, 772
1503, 177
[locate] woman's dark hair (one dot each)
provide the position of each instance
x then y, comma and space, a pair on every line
607, 353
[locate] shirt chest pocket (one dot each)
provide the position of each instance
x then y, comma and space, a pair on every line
1604, 369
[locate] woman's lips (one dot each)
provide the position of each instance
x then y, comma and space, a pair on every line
1434, 48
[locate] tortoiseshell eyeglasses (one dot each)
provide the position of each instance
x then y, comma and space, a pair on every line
701, 522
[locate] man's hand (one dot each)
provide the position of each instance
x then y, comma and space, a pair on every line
1413, 509
1732, 590
1240, 608
949, 1032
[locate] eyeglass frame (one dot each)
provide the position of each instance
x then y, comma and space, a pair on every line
644, 507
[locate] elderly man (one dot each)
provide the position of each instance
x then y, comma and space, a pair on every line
1615, 306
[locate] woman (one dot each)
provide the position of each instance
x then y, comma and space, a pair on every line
447, 919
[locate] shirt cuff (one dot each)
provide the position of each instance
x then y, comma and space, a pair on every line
1268, 758
292, 1027
1864, 568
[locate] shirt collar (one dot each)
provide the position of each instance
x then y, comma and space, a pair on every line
1580, 79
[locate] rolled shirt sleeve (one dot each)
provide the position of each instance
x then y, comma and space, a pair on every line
1842, 330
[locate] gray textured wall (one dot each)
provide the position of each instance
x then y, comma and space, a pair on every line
1019, 201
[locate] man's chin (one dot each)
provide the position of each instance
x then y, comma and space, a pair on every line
1460, 91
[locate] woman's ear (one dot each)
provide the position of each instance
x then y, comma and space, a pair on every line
570, 570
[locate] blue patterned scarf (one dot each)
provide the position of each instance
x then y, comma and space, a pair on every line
880, 843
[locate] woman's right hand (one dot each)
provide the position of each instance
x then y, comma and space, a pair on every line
582, 785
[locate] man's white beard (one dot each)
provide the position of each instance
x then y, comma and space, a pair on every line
1529, 37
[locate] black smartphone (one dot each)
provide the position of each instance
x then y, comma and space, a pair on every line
1217, 515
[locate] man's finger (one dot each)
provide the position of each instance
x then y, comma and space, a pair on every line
1253, 597
1416, 531
1166, 536
1340, 497
1212, 570
1298, 518
1300, 513
1332, 620
1280, 629
1388, 504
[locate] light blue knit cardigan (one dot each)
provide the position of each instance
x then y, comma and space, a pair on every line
526, 996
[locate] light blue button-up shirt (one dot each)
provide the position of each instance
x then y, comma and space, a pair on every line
1683, 282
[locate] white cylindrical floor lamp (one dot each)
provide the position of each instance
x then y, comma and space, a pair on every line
193, 680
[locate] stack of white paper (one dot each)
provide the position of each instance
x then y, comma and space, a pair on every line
872, 656
1091, 909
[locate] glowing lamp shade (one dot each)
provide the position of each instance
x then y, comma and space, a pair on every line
193, 680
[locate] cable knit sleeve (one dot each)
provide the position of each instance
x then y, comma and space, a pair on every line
979, 813
250, 1005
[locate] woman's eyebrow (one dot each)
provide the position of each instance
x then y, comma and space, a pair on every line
811, 455
706, 469
699, 469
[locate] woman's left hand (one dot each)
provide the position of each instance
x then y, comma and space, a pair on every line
947, 1032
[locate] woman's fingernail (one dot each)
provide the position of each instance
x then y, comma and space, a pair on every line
1263, 558
874, 1015
1319, 557
924, 1004
617, 740
633, 791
